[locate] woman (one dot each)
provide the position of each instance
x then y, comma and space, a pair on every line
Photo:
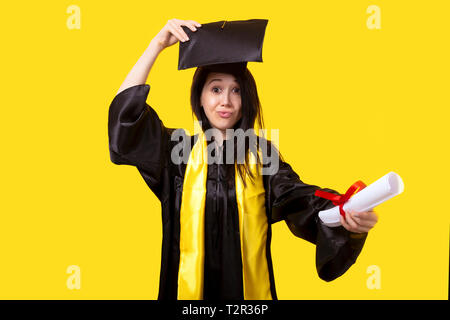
216, 236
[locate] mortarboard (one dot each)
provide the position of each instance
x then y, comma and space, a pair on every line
223, 44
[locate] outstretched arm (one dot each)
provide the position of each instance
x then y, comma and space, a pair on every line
294, 201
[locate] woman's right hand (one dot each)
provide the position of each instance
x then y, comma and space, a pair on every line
172, 32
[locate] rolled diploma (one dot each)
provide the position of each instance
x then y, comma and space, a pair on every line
368, 198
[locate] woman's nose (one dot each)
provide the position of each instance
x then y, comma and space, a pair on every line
225, 99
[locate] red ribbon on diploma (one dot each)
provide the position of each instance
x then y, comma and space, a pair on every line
339, 199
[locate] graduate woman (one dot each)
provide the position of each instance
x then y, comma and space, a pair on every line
217, 215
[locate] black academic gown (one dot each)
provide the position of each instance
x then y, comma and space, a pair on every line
138, 137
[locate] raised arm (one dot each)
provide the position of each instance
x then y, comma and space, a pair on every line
136, 134
170, 34
139, 73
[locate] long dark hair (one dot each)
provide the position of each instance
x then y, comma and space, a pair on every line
250, 106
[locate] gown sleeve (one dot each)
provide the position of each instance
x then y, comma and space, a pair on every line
137, 136
294, 202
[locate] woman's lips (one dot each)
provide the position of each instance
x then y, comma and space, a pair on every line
224, 114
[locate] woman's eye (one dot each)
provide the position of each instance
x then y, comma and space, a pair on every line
217, 90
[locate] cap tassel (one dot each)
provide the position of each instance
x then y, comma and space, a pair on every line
223, 24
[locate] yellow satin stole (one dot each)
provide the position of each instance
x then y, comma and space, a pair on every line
253, 227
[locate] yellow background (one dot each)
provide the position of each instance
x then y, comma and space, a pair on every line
351, 103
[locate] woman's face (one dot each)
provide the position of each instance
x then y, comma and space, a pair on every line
221, 100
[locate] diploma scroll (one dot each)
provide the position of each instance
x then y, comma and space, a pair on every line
368, 198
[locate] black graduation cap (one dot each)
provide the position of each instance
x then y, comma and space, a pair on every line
223, 44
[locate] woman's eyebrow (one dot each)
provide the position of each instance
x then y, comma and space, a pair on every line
218, 80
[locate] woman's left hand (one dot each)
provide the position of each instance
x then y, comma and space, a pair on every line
359, 222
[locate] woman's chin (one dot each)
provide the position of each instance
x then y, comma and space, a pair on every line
224, 124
